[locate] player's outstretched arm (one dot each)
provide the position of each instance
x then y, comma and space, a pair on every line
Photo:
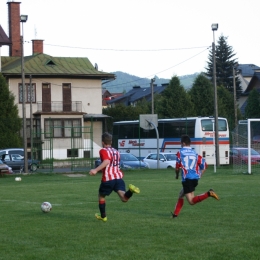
99, 168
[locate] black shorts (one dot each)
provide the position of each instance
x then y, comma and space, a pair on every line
106, 187
189, 185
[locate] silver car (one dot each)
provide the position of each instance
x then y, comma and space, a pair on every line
166, 160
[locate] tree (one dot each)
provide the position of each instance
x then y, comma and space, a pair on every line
202, 96
225, 62
174, 101
252, 109
226, 106
10, 123
143, 106
120, 112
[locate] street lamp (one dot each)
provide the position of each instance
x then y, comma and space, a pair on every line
214, 27
152, 81
23, 19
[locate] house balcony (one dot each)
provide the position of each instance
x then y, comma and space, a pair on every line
59, 106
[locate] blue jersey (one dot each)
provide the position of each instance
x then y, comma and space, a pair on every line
190, 163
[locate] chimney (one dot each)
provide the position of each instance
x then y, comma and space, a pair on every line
14, 28
37, 46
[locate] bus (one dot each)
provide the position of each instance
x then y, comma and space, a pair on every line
129, 137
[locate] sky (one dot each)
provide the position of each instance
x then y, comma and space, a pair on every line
140, 37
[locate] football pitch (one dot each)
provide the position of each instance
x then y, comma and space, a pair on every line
139, 229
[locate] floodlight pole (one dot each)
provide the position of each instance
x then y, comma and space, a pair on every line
214, 28
23, 19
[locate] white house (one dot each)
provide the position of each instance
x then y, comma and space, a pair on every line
63, 95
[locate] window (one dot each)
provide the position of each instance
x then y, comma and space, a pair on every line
72, 153
30, 92
7, 158
62, 128
207, 125
152, 156
178, 128
222, 125
72, 128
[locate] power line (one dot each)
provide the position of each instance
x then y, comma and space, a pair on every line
125, 50
151, 75
129, 82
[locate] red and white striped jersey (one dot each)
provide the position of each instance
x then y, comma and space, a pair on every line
112, 170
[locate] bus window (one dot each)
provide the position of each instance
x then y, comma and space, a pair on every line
125, 131
222, 125
135, 131
207, 125
147, 133
178, 128
115, 129
190, 128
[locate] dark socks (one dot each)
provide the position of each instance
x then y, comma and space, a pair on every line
102, 208
128, 194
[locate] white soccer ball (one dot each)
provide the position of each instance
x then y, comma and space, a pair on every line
18, 178
46, 207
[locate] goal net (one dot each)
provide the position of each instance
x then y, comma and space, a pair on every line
245, 147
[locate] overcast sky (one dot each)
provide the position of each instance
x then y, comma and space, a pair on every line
140, 37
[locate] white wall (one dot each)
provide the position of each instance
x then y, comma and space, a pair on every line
89, 92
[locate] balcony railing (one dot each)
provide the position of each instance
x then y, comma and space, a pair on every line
59, 106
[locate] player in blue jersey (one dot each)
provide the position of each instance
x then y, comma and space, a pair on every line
192, 166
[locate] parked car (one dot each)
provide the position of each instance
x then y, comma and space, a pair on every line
239, 155
166, 160
127, 161
256, 139
16, 161
12, 151
5, 169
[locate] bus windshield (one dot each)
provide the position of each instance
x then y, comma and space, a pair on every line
207, 125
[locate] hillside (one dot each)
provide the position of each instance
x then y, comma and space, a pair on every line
124, 82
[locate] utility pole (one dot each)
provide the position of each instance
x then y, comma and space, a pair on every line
214, 28
31, 117
152, 81
235, 101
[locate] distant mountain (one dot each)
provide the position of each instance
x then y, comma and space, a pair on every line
124, 82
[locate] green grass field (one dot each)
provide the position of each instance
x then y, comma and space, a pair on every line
140, 229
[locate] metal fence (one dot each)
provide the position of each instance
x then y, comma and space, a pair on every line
74, 153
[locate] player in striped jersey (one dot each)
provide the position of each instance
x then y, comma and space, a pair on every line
192, 166
112, 176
